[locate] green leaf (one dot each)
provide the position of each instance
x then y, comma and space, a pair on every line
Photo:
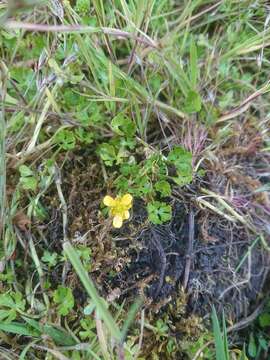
82, 6
142, 186
107, 153
19, 329
182, 180
84, 136
91, 290
65, 139
25, 171
59, 336
50, 258
252, 348
264, 320
88, 326
159, 212
64, 298
29, 183
129, 169
163, 187
182, 160
122, 125
33, 323
263, 343
8, 315
193, 102
179, 155
10, 303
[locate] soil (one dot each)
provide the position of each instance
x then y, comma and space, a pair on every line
214, 261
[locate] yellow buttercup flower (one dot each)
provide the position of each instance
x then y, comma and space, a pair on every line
118, 208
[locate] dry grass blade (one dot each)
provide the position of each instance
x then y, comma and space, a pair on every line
244, 106
17, 25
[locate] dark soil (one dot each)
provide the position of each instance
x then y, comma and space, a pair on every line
214, 275
197, 251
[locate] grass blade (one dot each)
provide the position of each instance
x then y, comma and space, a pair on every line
130, 317
225, 338
3, 74
219, 343
91, 290
19, 329
193, 68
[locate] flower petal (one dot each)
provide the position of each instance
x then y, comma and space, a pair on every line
117, 221
126, 199
126, 215
108, 201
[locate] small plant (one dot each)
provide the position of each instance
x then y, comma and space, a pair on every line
82, 7
50, 258
149, 179
28, 179
221, 340
159, 212
10, 305
259, 339
64, 299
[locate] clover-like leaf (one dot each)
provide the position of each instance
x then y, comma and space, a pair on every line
63, 297
66, 139
163, 187
159, 212
122, 125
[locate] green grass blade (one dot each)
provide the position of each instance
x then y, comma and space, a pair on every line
3, 75
130, 317
91, 290
193, 67
219, 343
19, 329
225, 338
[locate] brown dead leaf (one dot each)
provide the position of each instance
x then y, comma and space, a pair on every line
21, 220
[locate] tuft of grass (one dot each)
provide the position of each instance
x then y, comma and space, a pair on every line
220, 337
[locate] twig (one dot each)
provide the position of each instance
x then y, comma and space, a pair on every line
141, 336
240, 283
58, 355
163, 261
58, 183
64, 209
101, 336
249, 319
199, 352
190, 248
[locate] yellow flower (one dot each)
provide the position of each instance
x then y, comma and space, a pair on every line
119, 208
